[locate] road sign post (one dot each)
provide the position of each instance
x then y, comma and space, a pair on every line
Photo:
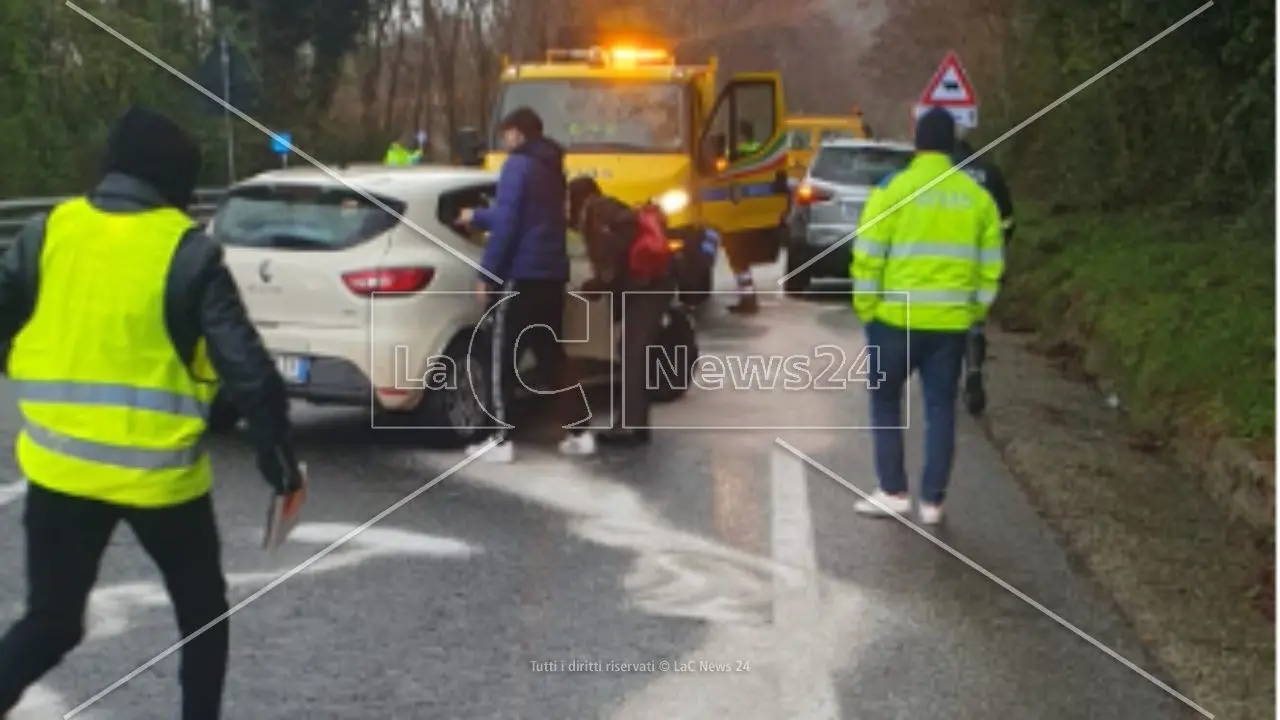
226, 76
951, 90
224, 52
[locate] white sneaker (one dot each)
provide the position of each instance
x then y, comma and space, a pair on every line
503, 452
930, 514
581, 444
899, 504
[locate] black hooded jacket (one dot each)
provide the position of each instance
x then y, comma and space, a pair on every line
988, 176
150, 162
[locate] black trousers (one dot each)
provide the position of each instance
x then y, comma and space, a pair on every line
538, 307
641, 326
66, 537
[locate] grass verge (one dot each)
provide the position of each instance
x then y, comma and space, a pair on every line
1175, 312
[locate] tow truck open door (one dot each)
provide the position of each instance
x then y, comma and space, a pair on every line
742, 156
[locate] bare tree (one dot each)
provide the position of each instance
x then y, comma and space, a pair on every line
374, 66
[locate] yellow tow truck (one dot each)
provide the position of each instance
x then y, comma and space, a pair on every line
805, 133
649, 129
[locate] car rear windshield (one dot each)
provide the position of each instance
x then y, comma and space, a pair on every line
302, 217
858, 165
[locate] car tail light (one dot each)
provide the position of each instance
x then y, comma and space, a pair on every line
388, 280
808, 194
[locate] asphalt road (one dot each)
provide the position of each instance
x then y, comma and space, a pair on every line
712, 546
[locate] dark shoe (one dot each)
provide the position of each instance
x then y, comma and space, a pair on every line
975, 395
625, 437
748, 305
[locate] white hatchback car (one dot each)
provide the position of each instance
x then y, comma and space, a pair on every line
362, 309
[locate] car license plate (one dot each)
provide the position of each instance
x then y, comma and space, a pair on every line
294, 369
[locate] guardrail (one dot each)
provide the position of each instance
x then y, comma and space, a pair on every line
15, 212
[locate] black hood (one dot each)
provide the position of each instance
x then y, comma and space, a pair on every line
936, 132
151, 148
545, 150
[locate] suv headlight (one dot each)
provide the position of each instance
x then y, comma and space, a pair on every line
672, 201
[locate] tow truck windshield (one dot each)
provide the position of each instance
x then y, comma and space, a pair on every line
605, 116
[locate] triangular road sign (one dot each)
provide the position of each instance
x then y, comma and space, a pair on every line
950, 86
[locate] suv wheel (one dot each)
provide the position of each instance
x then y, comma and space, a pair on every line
679, 341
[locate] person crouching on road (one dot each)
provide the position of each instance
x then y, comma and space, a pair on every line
123, 321
527, 252
608, 227
942, 254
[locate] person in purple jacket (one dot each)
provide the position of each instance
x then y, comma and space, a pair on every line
526, 251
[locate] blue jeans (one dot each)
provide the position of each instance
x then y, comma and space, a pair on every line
938, 356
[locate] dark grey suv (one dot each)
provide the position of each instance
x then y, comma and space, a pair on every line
827, 205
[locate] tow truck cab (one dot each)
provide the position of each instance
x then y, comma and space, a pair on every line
648, 129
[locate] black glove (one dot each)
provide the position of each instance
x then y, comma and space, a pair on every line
280, 469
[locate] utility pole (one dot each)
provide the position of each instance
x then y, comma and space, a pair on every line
224, 49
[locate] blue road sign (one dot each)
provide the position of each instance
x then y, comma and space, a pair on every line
281, 148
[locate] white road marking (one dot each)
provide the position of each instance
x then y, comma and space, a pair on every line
806, 685
110, 608
41, 702
12, 492
679, 574
113, 608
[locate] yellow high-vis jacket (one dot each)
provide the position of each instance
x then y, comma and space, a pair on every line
930, 254
110, 411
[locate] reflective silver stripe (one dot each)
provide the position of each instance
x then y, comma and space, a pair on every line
986, 297
85, 393
120, 456
866, 286
953, 251
870, 247
938, 297
1007, 224
991, 255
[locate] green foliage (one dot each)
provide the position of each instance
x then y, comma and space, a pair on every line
1152, 247
66, 79
330, 29
1178, 311
1189, 121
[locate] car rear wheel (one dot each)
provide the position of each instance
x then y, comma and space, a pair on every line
679, 340
452, 412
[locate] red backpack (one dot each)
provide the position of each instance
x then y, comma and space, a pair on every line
649, 257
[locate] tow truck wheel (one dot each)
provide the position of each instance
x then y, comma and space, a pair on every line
679, 343
799, 282
697, 290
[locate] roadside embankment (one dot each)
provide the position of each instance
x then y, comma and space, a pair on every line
1174, 319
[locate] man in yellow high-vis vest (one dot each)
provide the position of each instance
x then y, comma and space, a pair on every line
399, 154
124, 322
925, 270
